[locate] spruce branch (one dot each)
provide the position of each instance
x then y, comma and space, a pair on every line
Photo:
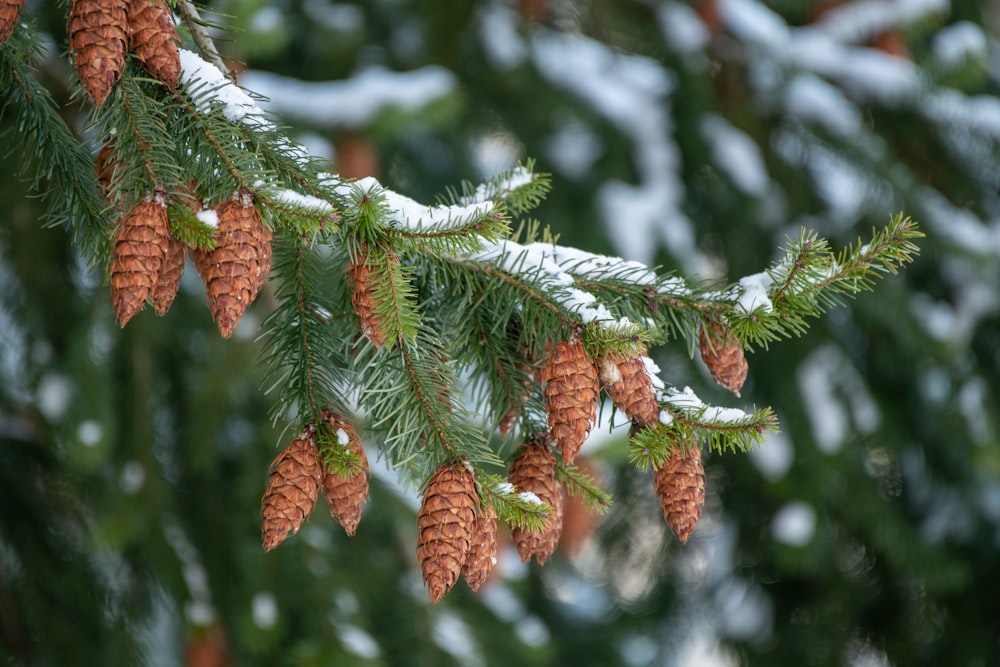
719, 429
514, 508
582, 486
198, 26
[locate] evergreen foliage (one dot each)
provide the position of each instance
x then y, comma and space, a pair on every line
465, 300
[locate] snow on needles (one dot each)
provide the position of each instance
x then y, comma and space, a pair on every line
237, 106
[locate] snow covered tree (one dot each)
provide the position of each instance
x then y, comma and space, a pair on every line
457, 350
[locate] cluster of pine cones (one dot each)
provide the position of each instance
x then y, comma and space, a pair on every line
457, 530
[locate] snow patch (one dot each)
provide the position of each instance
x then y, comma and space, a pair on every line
735, 154
753, 293
794, 523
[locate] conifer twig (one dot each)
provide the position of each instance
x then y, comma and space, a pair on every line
197, 27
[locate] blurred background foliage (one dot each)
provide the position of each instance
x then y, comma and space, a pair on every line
695, 136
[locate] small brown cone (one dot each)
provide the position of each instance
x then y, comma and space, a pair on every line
346, 494
104, 167
169, 280
363, 271
141, 243
482, 556
10, 10
627, 382
571, 391
154, 40
237, 268
98, 35
534, 471
680, 483
723, 355
292, 489
445, 525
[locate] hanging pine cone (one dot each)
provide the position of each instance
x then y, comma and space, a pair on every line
445, 524
680, 483
98, 35
626, 381
364, 271
236, 269
571, 391
141, 242
104, 166
346, 494
154, 40
169, 280
292, 489
723, 354
10, 10
482, 556
534, 471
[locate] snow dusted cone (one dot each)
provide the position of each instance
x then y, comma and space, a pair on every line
154, 40
237, 268
534, 471
346, 491
628, 383
169, 280
292, 489
141, 242
364, 270
445, 525
571, 391
723, 355
98, 35
482, 556
680, 483
10, 10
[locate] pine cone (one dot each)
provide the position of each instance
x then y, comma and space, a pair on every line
10, 10
627, 383
445, 522
345, 495
292, 489
363, 272
236, 269
141, 242
154, 40
723, 354
104, 166
169, 280
571, 391
482, 556
534, 471
98, 35
680, 483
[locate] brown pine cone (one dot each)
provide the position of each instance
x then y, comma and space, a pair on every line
445, 523
98, 35
345, 495
363, 271
141, 242
723, 354
292, 489
104, 166
154, 40
237, 268
680, 483
627, 382
482, 556
169, 280
571, 390
10, 10
534, 471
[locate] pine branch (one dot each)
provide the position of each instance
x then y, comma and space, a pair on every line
514, 508
582, 486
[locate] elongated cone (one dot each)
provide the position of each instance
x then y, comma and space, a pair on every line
723, 354
237, 268
98, 35
445, 524
292, 489
154, 40
482, 556
534, 471
364, 270
345, 494
141, 242
104, 167
10, 10
680, 483
571, 390
169, 280
628, 383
